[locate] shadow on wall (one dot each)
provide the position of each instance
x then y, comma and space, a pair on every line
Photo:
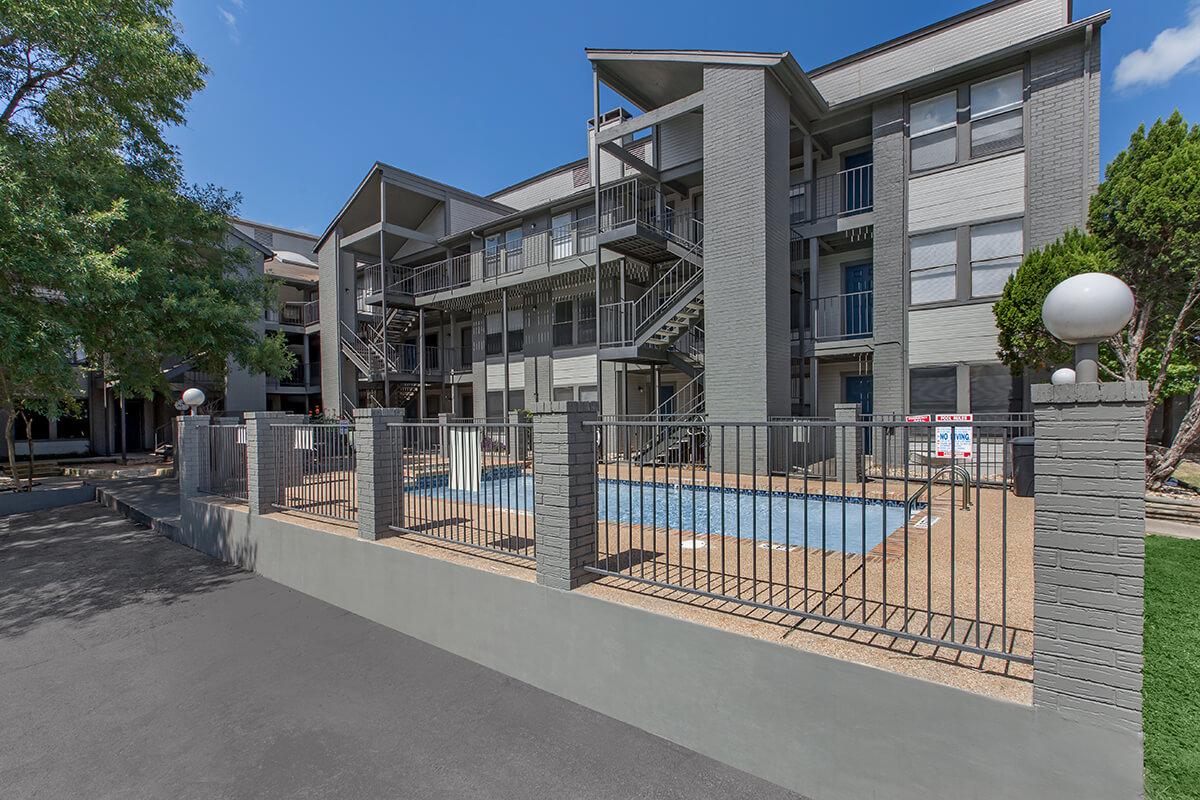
72, 563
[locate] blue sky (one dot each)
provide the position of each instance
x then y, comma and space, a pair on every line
304, 96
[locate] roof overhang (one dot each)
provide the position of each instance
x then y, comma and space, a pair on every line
653, 78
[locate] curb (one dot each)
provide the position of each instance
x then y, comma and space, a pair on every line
160, 526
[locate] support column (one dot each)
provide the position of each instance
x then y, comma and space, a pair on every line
1089, 549
192, 455
889, 360
504, 340
422, 404
747, 263
564, 492
262, 468
847, 443
377, 477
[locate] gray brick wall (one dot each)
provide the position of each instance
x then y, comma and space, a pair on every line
848, 448
746, 259
564, 492
261, 470
376, 470
1089, 529
191, 460
889, 359
1063, 140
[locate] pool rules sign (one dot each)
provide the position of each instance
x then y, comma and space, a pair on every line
951, 440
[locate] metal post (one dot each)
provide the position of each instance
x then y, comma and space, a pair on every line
596, 197
442, 358
387, 386
421, 363
504, 340
1087, 362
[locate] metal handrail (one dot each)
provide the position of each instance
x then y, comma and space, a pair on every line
957, 470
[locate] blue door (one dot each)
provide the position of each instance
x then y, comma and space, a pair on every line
666, 400
858, 300
858, 185
861, 389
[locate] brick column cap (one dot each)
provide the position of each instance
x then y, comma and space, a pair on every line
1117, 392
269, 415
365, 413
566, 407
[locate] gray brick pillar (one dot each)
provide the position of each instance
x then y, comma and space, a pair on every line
517, 434
192, 454
1089, 536
847, 443
261, 469
443, 432
378, 479
564, 492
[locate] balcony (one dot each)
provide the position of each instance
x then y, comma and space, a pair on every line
636, 221
843, 194
541, 249
302, 376
300, 314
842, 317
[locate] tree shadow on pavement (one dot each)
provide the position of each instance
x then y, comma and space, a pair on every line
75, 562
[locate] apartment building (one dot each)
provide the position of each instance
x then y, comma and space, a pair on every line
757, 240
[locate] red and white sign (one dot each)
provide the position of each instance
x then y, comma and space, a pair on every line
955, 440
918, 418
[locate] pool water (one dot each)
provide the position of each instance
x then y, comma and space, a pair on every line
807, 520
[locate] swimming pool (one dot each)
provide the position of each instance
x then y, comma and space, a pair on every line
807, 520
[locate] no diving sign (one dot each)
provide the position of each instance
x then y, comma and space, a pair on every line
954, 440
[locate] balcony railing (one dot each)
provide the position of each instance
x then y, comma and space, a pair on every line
301, 375
537, 249
843, 316
643, 202
849, 192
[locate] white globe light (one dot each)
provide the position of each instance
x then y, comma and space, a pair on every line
193, 397
1087, 308
1063, 376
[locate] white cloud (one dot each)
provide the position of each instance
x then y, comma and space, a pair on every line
1171, 52
230, 22
241, 4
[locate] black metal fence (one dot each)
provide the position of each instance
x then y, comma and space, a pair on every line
315, 470
921, 551
227, 474
465, 482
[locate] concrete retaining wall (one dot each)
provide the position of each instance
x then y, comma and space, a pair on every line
823, 727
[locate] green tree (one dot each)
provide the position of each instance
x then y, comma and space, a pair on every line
1144, 227
104, 249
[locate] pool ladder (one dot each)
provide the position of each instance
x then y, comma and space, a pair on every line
958, 471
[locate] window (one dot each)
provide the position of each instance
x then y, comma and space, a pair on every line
516, 330
562, 236
513, 241
587, 321
932, 263
491, 256
466, 353
493, 344
933, 132
994, 390
516, 399
797, 213
562, 393
587, 394
996, 251
564, 323
933, 390
494, 405
997, 117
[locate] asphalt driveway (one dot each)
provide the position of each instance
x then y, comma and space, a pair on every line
133, 667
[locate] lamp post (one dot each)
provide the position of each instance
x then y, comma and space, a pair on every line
1083, 311
192, 398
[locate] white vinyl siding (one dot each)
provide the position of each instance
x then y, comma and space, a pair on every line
933, 259
574, 370
996, 252
925, 55
952, 334
987, 189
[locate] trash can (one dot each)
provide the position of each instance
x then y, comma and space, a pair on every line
1022, 447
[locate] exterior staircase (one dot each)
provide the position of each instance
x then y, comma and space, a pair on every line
637, 223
